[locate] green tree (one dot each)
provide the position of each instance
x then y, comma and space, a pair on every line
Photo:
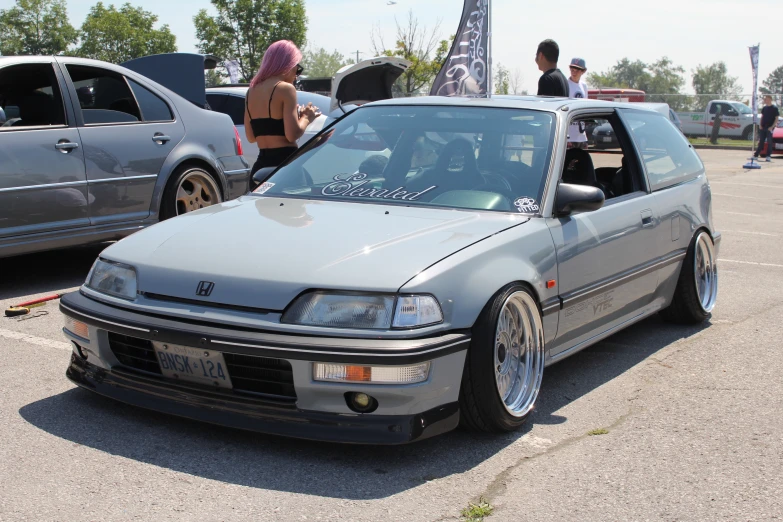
243, 29
774, 84
419, 46
36, 27
662, 80
322, 64
116, 36
502, 80
714, 80
213, 78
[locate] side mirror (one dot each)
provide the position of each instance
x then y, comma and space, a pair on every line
572, 198
262, 174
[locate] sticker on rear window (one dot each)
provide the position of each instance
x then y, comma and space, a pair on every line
264, 187
526, 205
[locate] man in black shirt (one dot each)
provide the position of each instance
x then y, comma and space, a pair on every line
552, 82
769, 119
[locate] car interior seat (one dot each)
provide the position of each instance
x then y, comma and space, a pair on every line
455, 169
38, 108
622, 183
578, 168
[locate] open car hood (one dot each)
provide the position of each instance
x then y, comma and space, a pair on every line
367, 81
182, 73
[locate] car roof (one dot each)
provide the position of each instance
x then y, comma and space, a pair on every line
542, 103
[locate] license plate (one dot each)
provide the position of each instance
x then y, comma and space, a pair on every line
608, 140
779, 146
197, 365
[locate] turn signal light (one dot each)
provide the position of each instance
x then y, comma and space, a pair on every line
239, 143
77, 327
371, 374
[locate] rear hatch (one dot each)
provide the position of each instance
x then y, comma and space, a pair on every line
367, 81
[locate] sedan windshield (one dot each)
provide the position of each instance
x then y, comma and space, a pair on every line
459, 157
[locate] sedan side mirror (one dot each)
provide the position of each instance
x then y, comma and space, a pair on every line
262, 174
572, 198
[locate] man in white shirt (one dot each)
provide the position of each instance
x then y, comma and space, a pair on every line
577, 89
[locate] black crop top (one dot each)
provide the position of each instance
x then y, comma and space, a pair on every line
266, 126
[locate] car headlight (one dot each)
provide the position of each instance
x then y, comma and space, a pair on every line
378, 312
113, 279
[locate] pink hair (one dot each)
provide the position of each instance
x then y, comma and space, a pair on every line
279, 58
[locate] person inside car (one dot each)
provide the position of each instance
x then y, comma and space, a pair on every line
273, 119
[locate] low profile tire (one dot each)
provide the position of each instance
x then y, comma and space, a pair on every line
747, 134
697, 287
189, 188
505, 363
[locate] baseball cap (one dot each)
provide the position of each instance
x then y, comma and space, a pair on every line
579, 63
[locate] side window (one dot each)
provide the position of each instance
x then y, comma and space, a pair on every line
30, 97
215, 101
714, 108
152, 107
666, 153
104, 96
234, 106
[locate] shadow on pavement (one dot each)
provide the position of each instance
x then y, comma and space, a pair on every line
46, 272
330, 470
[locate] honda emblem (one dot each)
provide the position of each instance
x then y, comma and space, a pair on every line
204, 288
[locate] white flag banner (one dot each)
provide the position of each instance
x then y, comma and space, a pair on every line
466, 70
754, 61
232, 66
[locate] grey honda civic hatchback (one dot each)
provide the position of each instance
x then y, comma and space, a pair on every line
425, 286
91, 151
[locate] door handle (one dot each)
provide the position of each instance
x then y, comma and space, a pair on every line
160, 138
647, 218
65, 146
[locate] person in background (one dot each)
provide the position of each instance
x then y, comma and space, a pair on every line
577, 89
552, 82
273, 119
769, 120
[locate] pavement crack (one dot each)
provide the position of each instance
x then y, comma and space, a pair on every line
498, 485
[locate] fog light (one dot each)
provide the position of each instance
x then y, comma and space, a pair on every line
77, 328
371, 374
361, 402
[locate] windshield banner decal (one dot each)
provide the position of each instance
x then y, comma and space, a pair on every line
353, 185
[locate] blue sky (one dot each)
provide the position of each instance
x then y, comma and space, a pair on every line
690, 32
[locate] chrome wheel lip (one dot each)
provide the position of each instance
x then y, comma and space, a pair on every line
519, 354
204, 192
705, 271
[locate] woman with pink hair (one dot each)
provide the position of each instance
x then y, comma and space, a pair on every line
273, 119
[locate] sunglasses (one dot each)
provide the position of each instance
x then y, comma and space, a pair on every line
299, 69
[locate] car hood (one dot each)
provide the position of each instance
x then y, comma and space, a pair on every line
367, 81
262, 252
182, 73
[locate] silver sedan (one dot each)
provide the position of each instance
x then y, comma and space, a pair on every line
427, 284
91, 151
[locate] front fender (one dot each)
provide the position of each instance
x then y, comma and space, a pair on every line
466, 281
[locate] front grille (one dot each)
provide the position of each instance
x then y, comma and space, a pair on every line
134, 353
258, 375
261, 375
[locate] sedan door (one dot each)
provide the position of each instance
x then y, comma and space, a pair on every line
43, 185
128, 131
607, 270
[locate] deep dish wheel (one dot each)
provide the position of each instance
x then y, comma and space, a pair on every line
505, 363
697, 287
189, 189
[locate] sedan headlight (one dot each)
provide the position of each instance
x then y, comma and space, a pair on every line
378, 312
113, 279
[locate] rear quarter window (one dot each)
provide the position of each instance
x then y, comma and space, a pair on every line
667, 156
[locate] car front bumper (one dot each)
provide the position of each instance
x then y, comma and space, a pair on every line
319, 411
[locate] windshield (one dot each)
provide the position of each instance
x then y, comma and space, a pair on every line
458, 157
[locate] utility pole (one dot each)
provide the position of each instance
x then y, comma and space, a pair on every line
357, 56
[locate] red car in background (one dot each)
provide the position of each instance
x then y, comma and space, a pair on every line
777, 141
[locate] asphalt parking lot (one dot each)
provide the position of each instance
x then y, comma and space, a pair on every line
692, 415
